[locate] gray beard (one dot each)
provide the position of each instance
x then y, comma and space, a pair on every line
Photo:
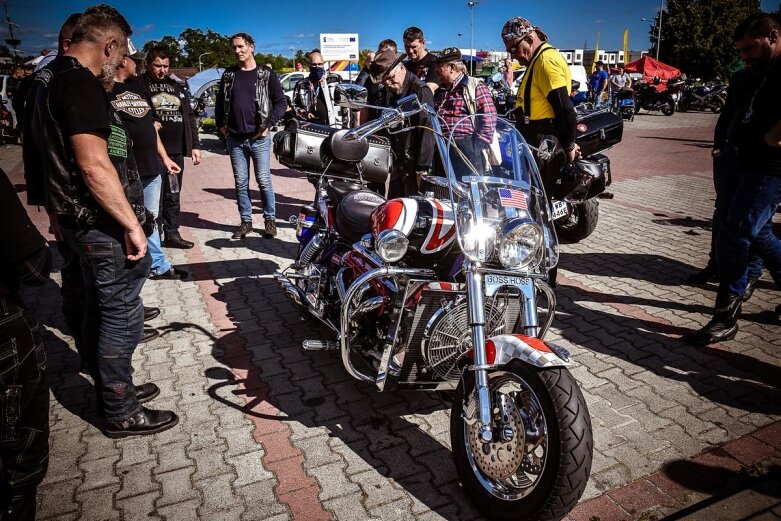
108, 71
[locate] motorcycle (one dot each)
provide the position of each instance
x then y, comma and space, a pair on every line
650, 99
502, 95
8, 132
703, 97
441, 292
624, 104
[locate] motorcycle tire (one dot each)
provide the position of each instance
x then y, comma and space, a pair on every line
716, 105
668, 109
580, 223
549, 395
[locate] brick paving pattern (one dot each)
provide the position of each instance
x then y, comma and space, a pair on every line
270, 432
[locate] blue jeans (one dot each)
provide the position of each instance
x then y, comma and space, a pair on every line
259, 151
749, 229
24, 410
113, 316
152, 187
726, 179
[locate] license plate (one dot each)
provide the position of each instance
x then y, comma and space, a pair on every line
559, 209
493, 282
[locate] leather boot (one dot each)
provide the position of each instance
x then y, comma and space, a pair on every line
146, 392
146, 421
750, 287
705, 275
722, 327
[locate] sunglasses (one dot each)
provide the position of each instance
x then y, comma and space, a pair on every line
514, 48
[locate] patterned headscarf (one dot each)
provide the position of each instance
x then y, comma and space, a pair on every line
517, 28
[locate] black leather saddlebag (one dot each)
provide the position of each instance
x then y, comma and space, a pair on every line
598, 131
583, 179
300, 146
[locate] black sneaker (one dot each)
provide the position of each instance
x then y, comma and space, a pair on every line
242, 230
271, 229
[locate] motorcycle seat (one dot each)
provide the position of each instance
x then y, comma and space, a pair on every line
338, 190
353, 214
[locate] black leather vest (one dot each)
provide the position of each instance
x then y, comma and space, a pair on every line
262, 101
53, 178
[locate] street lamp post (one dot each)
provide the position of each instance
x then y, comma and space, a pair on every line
200, 67
658, 29
472, 35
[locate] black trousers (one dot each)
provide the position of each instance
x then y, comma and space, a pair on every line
24, 410
169, 204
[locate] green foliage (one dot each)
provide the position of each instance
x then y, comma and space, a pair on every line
171, 45
697, 35
208, 125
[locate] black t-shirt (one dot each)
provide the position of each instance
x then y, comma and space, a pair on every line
79, 102
243, 118
167, 101
131, 101
425, 68
763, 114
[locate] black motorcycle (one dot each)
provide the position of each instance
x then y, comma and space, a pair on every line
650, 99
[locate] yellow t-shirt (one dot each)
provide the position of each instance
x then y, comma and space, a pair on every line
550, 72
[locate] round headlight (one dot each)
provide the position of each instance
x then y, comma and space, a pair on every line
477, 240
519, 243
391, 245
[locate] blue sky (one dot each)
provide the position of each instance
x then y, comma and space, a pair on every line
280, 25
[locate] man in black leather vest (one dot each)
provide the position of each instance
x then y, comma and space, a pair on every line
78, 164
250, 101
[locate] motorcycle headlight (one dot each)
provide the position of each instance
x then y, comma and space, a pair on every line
391, 245
520, 243
478, 240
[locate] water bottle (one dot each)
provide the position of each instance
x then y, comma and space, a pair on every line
173, 182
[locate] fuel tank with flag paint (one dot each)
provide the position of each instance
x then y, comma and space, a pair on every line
428, 223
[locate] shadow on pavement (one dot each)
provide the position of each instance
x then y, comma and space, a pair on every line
725, 377
286, 206
638, 266
285, 384
723, 484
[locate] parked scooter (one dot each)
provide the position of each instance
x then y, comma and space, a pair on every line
442, 292
703, 97
650, 99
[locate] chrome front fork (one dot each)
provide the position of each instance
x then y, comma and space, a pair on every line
474, 289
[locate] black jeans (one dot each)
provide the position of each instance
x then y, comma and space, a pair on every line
169, 207
24, 410
72, 288
113, 315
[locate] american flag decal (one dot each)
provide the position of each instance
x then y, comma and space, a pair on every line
513, 198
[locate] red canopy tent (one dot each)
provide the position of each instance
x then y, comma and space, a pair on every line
649, 68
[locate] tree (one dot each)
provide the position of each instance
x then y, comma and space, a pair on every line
697, 35
171, 45
195, 43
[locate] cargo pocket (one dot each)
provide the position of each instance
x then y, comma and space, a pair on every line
100, 256
10, 393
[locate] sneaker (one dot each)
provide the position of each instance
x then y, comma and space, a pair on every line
242, 230
271, 229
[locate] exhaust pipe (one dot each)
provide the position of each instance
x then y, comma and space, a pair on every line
295, 293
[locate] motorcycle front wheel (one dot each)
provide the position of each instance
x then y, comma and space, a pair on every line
539, 462
668, 108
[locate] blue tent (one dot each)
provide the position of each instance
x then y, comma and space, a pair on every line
469, 58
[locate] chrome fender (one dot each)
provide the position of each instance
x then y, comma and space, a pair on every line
531, 350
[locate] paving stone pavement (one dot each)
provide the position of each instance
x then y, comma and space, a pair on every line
270, 432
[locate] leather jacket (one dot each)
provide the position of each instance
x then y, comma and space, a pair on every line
53, 177
413, 151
